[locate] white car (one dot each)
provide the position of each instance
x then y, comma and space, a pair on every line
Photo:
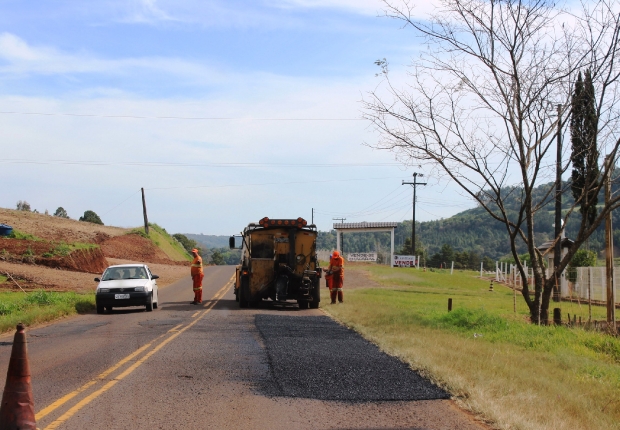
127, 285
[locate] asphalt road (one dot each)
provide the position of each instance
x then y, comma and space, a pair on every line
218, 366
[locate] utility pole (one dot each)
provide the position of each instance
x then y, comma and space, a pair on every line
338, 235
146, 219
557, 252
609, 252
312, 216
414, 184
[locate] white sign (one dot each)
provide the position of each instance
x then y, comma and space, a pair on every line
404, 260
362, 256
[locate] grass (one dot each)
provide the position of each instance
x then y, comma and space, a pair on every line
16, 234
513, 373
40, 306
160, 237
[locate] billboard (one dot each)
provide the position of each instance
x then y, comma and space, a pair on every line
404, 260
362, 256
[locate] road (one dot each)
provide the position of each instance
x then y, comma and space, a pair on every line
195, 367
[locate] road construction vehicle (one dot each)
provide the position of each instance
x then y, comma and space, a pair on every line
278, 262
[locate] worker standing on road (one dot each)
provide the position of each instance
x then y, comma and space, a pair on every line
336, 269
197, 275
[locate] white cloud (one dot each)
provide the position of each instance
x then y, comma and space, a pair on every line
20, 58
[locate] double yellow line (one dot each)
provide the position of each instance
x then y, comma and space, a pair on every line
171, 335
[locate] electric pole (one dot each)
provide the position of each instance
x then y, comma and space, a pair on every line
146, 219
609, 252
557, 252
414, 184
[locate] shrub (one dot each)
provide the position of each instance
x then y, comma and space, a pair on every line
23, 206
61, 212
91, 216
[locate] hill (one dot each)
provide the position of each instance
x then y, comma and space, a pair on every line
474, 230
209, 241
41, 244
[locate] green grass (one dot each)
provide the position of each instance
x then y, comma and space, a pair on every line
3, 279
16, 234
164, 241
40, 306
491, 358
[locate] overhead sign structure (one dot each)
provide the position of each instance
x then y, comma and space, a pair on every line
404, 260
362, 256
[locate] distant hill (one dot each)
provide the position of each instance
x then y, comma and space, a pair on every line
209, 241
474, 230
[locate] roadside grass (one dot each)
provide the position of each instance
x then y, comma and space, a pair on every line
160, 237
513, 373
40, 306
16, 234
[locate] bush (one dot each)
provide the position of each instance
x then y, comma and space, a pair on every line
61, 212
91, 216
23, 206
187, 243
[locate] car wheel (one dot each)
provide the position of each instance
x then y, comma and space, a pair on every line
99, 309
149, 304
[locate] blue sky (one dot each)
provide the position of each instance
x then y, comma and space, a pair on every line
102, 98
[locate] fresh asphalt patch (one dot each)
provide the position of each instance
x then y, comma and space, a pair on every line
317, 358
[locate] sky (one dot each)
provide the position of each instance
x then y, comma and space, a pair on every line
223, 111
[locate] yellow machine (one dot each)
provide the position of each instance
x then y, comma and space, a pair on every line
278, 262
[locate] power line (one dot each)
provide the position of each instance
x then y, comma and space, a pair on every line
267, 183
172, 164
200, 118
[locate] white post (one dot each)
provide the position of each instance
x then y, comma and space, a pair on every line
452, 268
417, 261
338, 240
392, 252
496, 271
481, 263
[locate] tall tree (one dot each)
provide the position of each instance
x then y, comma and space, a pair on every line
475, 109
585, 154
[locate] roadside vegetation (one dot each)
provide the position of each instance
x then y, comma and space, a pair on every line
162, 239
493, 360
36, 307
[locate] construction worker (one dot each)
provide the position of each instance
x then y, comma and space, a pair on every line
336, 270
197, 275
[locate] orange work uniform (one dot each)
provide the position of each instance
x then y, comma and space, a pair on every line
336, 267
197, 276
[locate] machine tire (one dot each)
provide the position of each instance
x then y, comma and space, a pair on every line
316, 295
100, 309
149, 304
155, 305
108, 309
236, 294
303, 304
244, 293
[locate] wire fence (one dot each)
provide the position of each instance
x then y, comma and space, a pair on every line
583, 283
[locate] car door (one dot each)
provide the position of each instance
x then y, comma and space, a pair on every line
154, 283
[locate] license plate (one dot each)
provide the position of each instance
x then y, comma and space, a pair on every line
121, 296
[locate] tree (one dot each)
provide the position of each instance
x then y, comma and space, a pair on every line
61, 212
91, 216
475, 109
217, 258
585, 154
23, 206
187, 243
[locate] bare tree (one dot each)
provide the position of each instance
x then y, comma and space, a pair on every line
479, 107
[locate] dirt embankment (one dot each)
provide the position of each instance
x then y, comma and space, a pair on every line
136, 248
51, 261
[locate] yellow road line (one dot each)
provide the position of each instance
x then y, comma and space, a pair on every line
134, 366
195, 313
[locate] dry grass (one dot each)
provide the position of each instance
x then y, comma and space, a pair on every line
516, 375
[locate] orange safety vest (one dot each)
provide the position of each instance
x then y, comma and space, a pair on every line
196, 266
337, 262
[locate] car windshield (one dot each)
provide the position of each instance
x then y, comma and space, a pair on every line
114, 273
